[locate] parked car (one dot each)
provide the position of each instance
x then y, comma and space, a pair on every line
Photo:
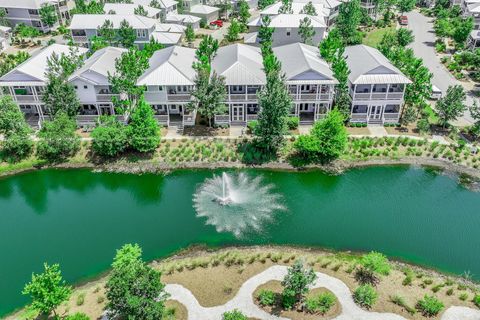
403, 20
436, 93
218, 23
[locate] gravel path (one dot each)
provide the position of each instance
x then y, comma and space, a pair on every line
243, 300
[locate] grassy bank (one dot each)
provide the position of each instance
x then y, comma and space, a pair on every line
225, 270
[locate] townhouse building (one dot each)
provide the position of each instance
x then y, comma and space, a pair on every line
26, 83
376, 87
92, 86
471, 8
473, 41
196, 8
28, 12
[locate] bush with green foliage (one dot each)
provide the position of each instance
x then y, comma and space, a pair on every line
266, 297
320, 303
57, 139
109, 137
476, 300
77, 316
252, 125
365, 296
430, 306
376, 262
293, 123
296, 283
143, 131
234, 315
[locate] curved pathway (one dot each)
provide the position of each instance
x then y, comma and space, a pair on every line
243, 300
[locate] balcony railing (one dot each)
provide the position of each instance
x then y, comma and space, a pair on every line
358, 117
79, 38
179, 97
377, 95
361, 96
106, 96
324, 96
308, 96
222, 119
26, 97
319, 116
391, 117
242, 97
83, 119
161, 119
189, 120
252, 117
395, 95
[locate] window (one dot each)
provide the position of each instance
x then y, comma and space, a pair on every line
396, 87
85, 87
6, 10
392, 108
75, 87
141, 33
33, 11
360, 108
160, 88
288, 33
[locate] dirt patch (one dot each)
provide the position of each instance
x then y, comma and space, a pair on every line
276, 287
358, 131
204, 131
401, 131
93, 297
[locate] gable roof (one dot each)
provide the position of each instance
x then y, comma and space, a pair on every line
297, 7
299, 60
203, 9
129, 9
25, 4
93, 21
167, 38
170, 66
32, 71
240, 65
170, 27
96, 68
368, 65
182, 18
289, 21
164, 4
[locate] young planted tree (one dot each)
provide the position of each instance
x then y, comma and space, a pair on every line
341, 73
47, 290
234, 315
462, 30
327, 139
262, 4
59, 94
150, 47
475, 112
331, 45
126, 35
405, 5
296, 284
306, 30
452, 105
128, 68
134, 289
233, 31
286, 7
409, 115
143, 131
57, 139
140, 10
243, 13
48, 15
109, 137
265, 34
107, 32
97, 43
348, 21
207, 49
189, 34
309, 9
404, 37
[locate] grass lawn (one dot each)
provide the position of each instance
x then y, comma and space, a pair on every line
374, 37
432, 117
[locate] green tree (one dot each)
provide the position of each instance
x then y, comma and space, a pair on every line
265, 34
306, 30
409, 115
57, 139
462, 30
97, 43
475, 112
189, 34
23, 31
109, 137
243, 13
341, 73
107, 32
296, 284
452, 105
126, 35
234, 315
134, 289
327, 139
348, 21
286, 7
128, 68
365, 296
77, 316
140, 10
150, 47
225, 6
10, 61
405, 5
143, 131
59, 94
233, 31
331, 45
92, 7
47, 290
404, 37
11, 118
48, 15
155, 4
309, 9
262, 4
207, 49
275, 105
3, 18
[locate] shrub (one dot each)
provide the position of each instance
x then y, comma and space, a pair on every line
17, 145
266, 298
109, 137
293, 123
80, 299
251, 125
463, 296
365, 296
429, 306
320, 303
399, 301
57, 139
234, 315
296, 283
143, 130
476, 300
376, 262
77, 316
366, 276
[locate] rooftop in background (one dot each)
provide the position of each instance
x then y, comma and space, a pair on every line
170, 27
289, 21
369, 66
170, 66
129, 9
96, 68
93, 21
163, 3
182, 18
25, 4
32, 71
203, 9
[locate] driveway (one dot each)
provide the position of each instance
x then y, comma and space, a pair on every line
424, 47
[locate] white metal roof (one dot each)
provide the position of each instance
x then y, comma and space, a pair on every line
93, 21
182, 18
32, 71
369, 66
302, 63
24, 4
203, 9
96, 68
129, 9
475, 34
170, 66
297, 8
474, 7
240, 65
164, 4
251, 37
167, 38
170, 27
290, 21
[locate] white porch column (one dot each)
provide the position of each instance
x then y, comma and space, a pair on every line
371, 91
317, 93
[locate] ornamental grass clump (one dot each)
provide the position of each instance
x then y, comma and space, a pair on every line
266, 297
320, 303
365, 296
429, 306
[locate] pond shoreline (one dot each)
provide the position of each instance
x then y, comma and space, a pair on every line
336, 167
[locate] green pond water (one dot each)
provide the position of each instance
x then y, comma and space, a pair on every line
78, 218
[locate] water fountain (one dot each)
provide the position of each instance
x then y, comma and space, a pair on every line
236, 203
